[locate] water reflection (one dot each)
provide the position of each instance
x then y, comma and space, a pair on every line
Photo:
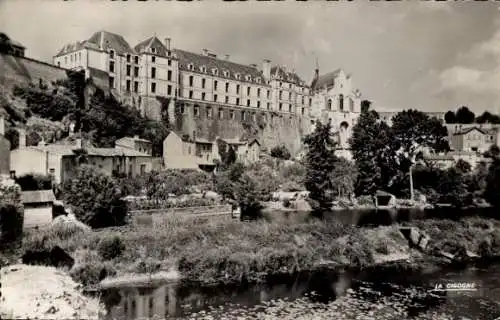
410, 289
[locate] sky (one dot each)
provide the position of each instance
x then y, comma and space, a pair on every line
432, 56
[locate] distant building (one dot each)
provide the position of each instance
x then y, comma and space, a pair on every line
135, 143
4, 150
473, 137
387, 116
37, 208
60, 161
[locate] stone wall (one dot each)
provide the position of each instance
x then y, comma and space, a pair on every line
21, 71
269, 127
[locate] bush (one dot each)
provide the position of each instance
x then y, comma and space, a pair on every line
280, 152
33, 182
11, 222
111, 247
95, 198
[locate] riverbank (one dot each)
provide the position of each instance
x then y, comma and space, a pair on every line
212, 252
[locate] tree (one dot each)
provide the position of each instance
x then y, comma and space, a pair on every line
320, 163
463, 166
365, 106
343, 177
280, 152
488, 117
95, 198
13, 136
248, 197
492, 190
449, 117
33, 182
372, 148
465, 116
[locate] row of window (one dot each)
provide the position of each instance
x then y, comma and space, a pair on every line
209, 113
136, 71
216, 87
73, 58
135, 89
225, 73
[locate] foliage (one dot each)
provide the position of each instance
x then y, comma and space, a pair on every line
488, 117
248, 197
463, 115
13, 136
95, 198
365, 106
32, 182
344, 177
226, 153
11, 215
320, 162
449, 117
280, 152
492, 192
159, 185
111, 247
372, 147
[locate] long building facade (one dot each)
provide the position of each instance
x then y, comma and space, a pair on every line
205, 88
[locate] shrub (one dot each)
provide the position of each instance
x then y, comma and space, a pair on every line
280, 152
111, 247
91, 273
32, 182
11, 221
95, 198
287, 203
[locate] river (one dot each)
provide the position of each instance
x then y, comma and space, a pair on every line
380, 293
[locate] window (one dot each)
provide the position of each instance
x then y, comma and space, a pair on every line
227, 86
153, 87
136, 71
136, 86
227, 99
248, 102
169, 89
111, 54
290, 96
303, 111
237, 76
238, 89
268, 94
203, 81
231, 114
341, 102
191, 94
215, 97
310, 101
329, 106
258, 104
153, 72
281, 95
243, 115
111, 66
169, 75
237, 101
248, 91
248, 78
203, 69
190, 81
128, 57
221, 114
128, 85
215, 71
153, 59
190, 66
169, 62
258, 92
290, 108
136, 59
203, 96
258, 80
209, 112
128, 70
58, 63
215, 85
226, 73
268, 106
112, 82
303, 100
196, 111
182, 109
281, 106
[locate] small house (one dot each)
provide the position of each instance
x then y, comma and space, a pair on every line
37, 208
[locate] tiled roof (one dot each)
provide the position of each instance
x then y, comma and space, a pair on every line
282, 73
152, 42
187, 58
101, 40
67, 150
5, 38
132, 139
327, 79
467, 130
39, 196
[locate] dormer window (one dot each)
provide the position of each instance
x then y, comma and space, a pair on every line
203, 69
215, 71
248, 77
190, 66
153, 50
258, 80
237, 76
111, 54
226, 73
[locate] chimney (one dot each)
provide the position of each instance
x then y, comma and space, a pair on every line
2, 126
167, 43
205, 52
226, 57
266, 69
78, 143
22, 138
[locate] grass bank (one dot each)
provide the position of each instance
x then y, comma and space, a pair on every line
228, 251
